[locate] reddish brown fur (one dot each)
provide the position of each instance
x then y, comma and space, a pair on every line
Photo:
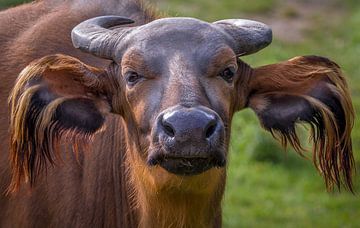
107, 183
31, 31
172, 200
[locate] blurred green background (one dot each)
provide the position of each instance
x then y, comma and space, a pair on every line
266, 186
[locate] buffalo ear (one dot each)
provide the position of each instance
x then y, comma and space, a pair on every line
308, 89
56, 96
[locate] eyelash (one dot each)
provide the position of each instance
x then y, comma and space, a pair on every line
228, 74
132, 78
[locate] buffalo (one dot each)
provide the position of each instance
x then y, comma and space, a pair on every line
119, 118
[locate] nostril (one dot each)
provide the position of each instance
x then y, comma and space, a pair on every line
168, 129
210, 129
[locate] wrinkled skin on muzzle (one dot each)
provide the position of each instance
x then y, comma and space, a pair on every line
188, 140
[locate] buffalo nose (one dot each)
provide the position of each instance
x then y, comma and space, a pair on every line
189, 124
188, 141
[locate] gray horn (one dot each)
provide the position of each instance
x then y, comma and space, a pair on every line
247, 36
95, 36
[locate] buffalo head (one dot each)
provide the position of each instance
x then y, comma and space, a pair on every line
179, 77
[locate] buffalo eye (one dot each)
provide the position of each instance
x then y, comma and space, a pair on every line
132, 78
228, 74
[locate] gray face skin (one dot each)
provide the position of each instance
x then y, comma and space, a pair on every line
180, 77
176, 83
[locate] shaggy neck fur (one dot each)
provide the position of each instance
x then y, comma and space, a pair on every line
166, 200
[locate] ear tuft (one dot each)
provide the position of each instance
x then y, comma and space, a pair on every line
54, 97
311, 90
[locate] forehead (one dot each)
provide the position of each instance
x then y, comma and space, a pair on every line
186, 37
179, 34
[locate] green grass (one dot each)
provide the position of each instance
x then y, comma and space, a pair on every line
213, 9
7, 3
266, 186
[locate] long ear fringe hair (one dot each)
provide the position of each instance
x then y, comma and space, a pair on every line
331, 137
35, 135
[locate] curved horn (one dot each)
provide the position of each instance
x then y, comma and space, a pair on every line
95, 37
249, 36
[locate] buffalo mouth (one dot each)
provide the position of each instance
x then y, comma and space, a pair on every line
187, 140
187, 166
